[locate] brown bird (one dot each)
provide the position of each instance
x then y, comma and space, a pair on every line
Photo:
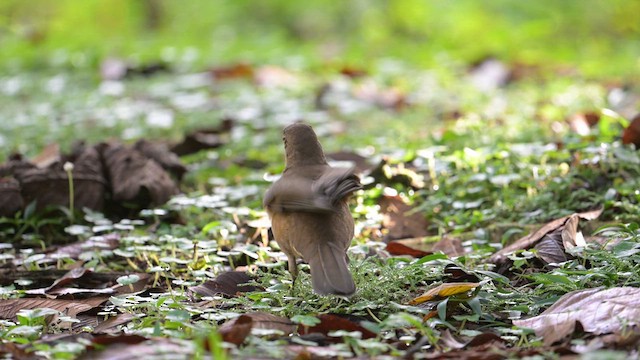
310, 217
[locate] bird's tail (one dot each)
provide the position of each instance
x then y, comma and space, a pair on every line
329, 271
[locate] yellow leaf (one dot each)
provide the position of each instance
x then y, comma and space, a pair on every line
443, 291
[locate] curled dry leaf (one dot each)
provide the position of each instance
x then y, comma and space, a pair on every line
333, 322
229, 283
50, 186
233, 71
134, 347
529, 241
631, 134
163, 156
136, 178
203, 139
9, 308
443, 291
598, 311
398, 248
236, 330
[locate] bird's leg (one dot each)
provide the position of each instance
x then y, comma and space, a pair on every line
293, 269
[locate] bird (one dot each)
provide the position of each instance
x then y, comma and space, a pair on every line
309, 212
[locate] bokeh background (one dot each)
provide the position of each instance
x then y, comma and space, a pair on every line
599, 37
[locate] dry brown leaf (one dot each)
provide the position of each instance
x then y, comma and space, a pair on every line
333, 322
110, 325
50, 186
136, 178
598, 311
631, 134
134, 347
530, 240
266, 321
9, 308
229, 283
233, 71
398, 248
236, 330
444, 290
161, 154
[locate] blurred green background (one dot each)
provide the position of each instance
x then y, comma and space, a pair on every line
600, 38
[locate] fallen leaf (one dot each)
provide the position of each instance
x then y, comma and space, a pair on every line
529, 241
9, 308
163, 156
234, 71
598, 311
631, 134
109, 326
135, 347
443, 291
333, 322
47, 157
398, 248
50, 186
203, 139
134, 178
236, 330
229, 283
267, 321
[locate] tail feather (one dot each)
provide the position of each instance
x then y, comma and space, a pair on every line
329, 271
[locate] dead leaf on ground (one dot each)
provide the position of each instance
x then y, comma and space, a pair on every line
9, 308
135, 178
134, 347
418, 247
229, 283
631, 134
529, 241
445, 290
162, 155
236, 330
203, 139
74, 250
400, 219
333, 322
110, 325
50, 186
598, 311
47, 157
267, 321
397, 248
233, 71
353, 72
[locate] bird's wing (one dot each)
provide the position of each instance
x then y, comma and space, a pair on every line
336, 183
294, 193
